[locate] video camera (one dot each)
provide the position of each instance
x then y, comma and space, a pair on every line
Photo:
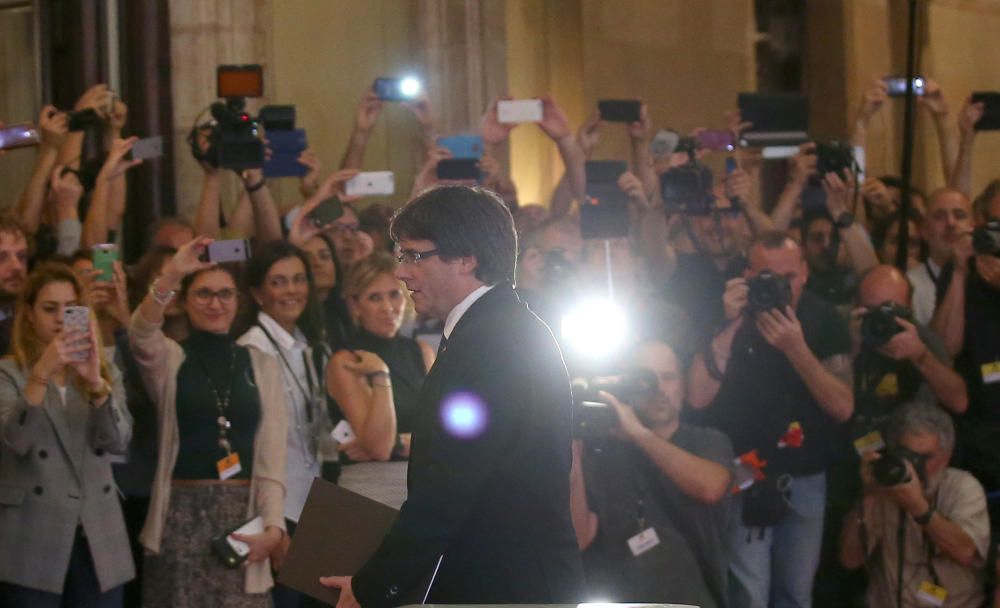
595, 418
986, 239
687, 189
878, 324
767, 291
890, 469
233, 137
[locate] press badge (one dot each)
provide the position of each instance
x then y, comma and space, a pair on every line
991, 372
229, 466
888, 387
643, 541
930, 594
872, 442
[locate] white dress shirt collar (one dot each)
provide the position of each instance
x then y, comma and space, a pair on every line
456, 313
284, 340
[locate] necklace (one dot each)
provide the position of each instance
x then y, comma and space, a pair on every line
222, 396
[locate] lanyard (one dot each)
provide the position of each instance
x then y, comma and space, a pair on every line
307, 394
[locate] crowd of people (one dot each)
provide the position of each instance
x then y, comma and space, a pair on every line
820, 431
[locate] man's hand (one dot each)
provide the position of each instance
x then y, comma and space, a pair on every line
642, 129
961, 252
64, 188
734, 299
54, 126
874, 96
554, 122
492, 130
347, 599
782, 330
422, 109
877, 194
933, 99
368, 111
969, 116
988, 267
589, 133
908, 495
303, 228
739, 185
115, 165
632, 186
838, 193
906, 344
803, 165
629, 426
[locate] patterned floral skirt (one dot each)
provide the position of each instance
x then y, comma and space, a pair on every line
186, 574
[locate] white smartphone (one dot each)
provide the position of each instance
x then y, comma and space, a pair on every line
76, 320
371, 183
151, 147
519, 110
343, 432
254, 526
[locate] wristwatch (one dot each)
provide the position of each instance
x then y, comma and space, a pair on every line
844, 220
924, 518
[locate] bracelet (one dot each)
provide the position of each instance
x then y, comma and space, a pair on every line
251, 189
378, 374
160, 297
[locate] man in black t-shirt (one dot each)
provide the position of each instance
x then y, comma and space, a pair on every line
650, 503
777, 382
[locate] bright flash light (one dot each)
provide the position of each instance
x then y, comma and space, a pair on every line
464, 415
409, 86
595, 328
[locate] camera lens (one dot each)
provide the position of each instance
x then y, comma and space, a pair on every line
890, 470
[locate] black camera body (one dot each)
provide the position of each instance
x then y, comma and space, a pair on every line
834, 157
767, 291
592, 416
235, 140
687, 189
878, 324
986, 239
890, 469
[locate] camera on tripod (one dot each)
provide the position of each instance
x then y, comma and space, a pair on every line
592, 416
878, 323
232, 140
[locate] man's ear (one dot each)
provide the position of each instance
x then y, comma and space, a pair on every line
468, 265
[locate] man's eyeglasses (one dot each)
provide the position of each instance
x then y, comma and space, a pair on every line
408, 256
204, 296
344, 229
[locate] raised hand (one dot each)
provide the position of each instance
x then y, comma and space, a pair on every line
492, 130
115, 165
54, 126
554, 122
589, 133
933, 99
368, 111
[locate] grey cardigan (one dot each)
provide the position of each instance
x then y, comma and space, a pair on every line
55, 475
159, 360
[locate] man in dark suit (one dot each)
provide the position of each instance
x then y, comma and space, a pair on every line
487, 519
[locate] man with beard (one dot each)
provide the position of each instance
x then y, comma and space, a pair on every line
656, 474
13, 268
945, 229
940, 511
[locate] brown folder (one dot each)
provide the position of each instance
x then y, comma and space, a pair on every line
336, 534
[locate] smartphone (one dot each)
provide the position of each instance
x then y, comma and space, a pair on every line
604, 171
991, 110
463, 146
286, 147
19, 136
397, 89
519, 110
343, 433
716, 139
897, 85
234, 250
327, 212
605, 212
619, 110
150, 147
461, 169
370, 183
76, 320
277, 118
105, 256
235, 81
232, 552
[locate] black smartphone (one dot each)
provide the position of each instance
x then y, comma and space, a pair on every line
327, 212
604, 215
277, 118
397, 89
458, 169
619, 110
897, 85
235, 81
991, 110
235, 250
604, 171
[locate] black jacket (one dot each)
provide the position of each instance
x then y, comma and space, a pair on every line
493, 501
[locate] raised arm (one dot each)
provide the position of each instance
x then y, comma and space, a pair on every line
364, 123
54, 127
112, 174
855, 238
961, 174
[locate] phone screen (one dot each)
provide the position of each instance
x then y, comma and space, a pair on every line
619, 110
327, 212
897, 85
458, 169
105, 256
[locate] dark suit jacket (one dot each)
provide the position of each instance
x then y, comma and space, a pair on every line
495, 504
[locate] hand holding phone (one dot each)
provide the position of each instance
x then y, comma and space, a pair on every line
105, 255
76, 329
519, 110
150, 147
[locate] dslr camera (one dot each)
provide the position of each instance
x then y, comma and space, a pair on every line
878, 323
767, 291
834, 157
986, 239
890, 469
233, 136
687, 189
594, 418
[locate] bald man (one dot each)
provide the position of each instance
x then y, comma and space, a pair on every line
947, 230
912, 365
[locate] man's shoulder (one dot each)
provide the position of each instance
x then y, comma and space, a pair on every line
957, 481
705, 442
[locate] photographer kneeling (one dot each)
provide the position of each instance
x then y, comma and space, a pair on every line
920, 513
649, 499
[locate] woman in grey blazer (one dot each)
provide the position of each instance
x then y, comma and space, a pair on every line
62, 414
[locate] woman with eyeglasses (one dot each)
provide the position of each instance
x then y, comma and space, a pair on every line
223, 428
284, 322
62, 415
376, 383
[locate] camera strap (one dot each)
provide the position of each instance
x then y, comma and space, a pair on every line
310, 393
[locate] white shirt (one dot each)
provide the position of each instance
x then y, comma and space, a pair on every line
302, 463
924, 290
456, 313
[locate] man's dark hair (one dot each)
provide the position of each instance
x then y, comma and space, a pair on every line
463, 221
